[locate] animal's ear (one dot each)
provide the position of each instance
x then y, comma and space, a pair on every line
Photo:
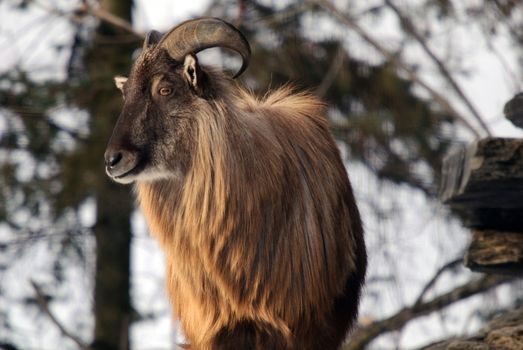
119, 81
193, 73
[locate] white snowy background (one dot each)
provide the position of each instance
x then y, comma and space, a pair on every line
408, 236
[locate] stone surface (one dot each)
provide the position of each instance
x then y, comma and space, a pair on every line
466, 345
509, 338
513, 110
483, 183
502, 333
495, 251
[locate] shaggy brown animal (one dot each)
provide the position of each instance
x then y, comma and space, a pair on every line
248, 197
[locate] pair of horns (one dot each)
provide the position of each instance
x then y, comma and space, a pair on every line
199, 34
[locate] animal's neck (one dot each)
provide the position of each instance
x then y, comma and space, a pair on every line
158, 200
196, 203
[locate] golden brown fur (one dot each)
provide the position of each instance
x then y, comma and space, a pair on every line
262, 235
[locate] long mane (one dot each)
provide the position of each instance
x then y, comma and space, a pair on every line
263, 213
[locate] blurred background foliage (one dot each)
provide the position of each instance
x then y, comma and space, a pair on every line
54, 128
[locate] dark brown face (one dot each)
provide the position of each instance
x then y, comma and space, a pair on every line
154, 135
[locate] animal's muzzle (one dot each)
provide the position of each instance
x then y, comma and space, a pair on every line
119, 163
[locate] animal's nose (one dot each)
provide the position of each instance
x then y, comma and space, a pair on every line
112, 159
120, 162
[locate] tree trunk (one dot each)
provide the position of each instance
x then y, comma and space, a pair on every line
112, 307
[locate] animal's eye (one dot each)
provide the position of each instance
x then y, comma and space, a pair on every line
165, 91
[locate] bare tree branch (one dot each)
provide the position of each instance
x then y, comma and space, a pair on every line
363, 336
291, 11
450, 265
326, 4
330, 76
99, 13
442, 101
113, 20
30, 112
408, 25
42, 302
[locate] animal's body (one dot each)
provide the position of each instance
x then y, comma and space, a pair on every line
249, 199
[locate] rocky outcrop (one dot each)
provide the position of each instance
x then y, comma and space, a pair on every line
483, 184
502, 333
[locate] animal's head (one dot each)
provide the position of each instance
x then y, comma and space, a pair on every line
154, 135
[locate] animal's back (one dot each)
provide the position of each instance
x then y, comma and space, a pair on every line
332, 222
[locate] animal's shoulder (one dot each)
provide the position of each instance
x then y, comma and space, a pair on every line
287, 105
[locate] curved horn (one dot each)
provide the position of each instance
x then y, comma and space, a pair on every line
199, 34
152, 38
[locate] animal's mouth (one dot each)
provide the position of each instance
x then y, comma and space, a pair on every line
126, 175
130, 172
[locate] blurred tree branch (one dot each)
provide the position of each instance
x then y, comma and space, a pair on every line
363, 336
15, 103
410, 28
86, 9
450, 265
281, 16
44, 305
442, 101
334, 68
113, 20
